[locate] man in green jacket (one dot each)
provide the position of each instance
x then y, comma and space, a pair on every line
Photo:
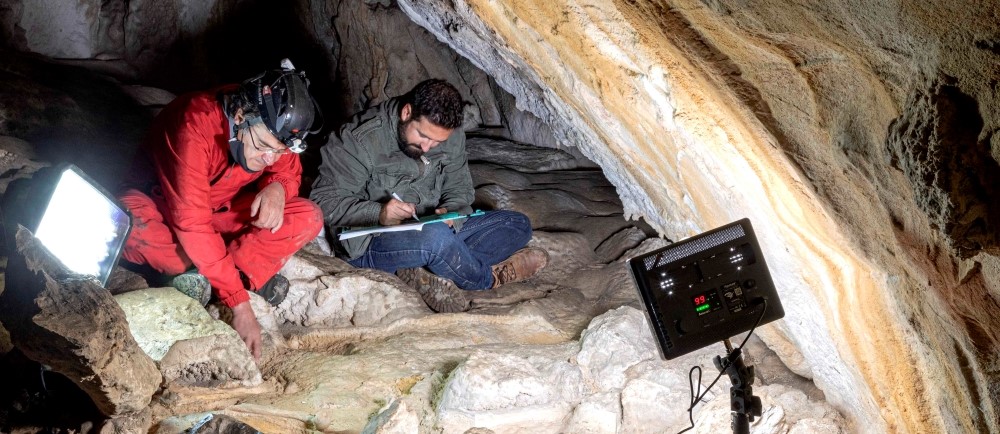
406, 157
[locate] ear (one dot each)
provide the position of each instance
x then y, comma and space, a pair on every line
405, 112
238, 117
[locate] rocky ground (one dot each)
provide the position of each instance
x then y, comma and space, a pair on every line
354, 350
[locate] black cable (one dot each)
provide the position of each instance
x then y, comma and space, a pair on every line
695, 401
41, 374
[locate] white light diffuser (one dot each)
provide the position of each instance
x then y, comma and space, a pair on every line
83, 226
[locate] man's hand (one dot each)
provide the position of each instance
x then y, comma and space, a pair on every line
246, 325
440, 211
394, 212
270, 205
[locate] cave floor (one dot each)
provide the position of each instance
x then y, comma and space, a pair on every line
342, 379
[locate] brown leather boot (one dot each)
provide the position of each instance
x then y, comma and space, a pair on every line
439, 293
521, 265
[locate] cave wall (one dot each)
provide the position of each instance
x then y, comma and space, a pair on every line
857, 135
358, 53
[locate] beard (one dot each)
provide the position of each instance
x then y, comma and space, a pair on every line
411, 150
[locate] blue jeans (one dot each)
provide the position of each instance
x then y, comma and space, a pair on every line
465, 257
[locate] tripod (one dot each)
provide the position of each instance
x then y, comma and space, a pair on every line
744, 405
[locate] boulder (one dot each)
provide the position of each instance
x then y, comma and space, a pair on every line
190, 346
319, 295
75, 327
613, 343
597, 414
506, 393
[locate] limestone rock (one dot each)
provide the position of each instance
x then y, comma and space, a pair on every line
934, 142
218, 360
359, 297
60, 110
519, 156
596, 414
138, 422
152, 98
149, 96
57, 29
657, 399
16, 161
783, 411
502, 393
123, 280
580, 201
159, 317
206, 424
848, 131
568, 252
781, 115
75, 327
396, 418
623, 240
612, 344
646, 246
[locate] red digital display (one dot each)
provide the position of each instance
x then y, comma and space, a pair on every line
706, 302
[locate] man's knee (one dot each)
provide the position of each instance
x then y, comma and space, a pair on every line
517, 220
138, 203
520, 220
306, 215
438, 238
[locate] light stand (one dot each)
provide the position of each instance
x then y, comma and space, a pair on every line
743, 404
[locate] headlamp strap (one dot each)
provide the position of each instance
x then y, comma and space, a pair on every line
271, 112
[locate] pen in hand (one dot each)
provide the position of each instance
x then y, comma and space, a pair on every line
396, 196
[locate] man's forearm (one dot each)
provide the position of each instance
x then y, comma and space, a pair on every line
347, 211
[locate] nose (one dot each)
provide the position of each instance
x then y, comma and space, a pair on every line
269, 158
427, 145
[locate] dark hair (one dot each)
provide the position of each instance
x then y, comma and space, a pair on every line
438, 101
240, 99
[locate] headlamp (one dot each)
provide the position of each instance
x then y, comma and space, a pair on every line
286, 108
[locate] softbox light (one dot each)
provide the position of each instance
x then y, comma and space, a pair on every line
75, 219
706, 288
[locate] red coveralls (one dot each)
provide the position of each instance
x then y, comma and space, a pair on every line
192, 208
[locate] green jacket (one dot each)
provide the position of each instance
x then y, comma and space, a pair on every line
364, 165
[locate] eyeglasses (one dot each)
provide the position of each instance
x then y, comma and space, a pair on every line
266, 149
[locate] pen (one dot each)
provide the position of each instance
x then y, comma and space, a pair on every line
396, 196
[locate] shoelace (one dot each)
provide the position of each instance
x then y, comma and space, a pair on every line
506, 273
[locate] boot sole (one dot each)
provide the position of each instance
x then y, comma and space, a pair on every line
197, 288
440, 294
275, 294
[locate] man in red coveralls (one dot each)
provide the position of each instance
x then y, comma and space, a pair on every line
214, 197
